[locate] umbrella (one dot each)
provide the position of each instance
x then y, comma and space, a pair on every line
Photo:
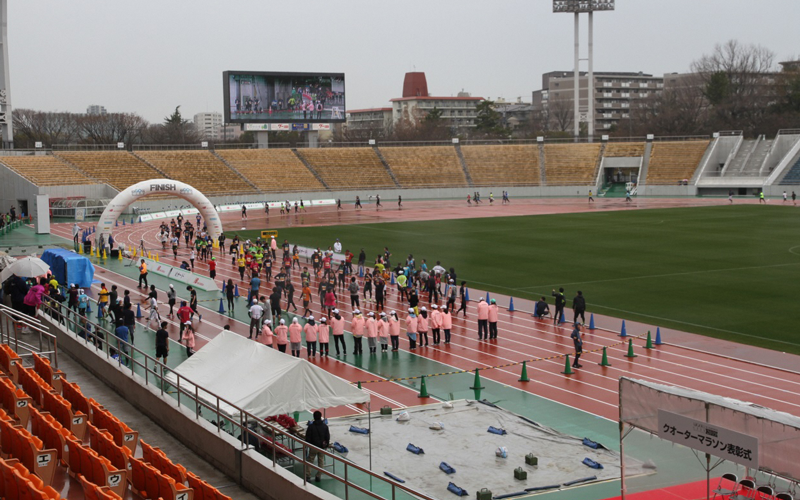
26, 268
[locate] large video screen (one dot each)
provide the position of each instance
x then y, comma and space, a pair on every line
268, 97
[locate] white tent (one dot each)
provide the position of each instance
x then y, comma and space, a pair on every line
261, 380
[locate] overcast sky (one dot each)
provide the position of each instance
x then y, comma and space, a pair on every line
149, 56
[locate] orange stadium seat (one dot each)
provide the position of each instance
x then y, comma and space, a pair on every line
671, 162
8, 361
18, 443
508, 165
49, 374
32, 384
15, 401
45, 170
62, 411
72, 393
200, 169
103, 419
348, 168
272, 170
571, 164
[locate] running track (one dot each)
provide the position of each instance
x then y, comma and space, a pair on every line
592, 389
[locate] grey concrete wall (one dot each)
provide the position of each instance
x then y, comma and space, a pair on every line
247, 468
676, 190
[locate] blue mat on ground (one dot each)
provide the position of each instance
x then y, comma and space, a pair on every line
389, 474
415, 449
593, 444
446, 468
542, 488
359, 430
495, 430
339, 447
582, 480
458, 491
588, 462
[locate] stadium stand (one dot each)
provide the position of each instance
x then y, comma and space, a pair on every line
435, 166
671, 162
348, 168
792, 177
104, 467
200, 169
45, 170
624, 150
118, 169
272, 170
570, 164
503, 165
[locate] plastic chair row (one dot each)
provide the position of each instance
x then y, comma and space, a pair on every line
15, 401
149, 483
17, 483
8, 360
51, 432
731, 488
93, 492
52, 376
61, 409
31, 383
96, 469
104, 419
103, 443
17, 442
72, 393
203, 490
160, 461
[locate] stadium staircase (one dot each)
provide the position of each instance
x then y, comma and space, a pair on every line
542, 170
792, 177
464, 165
310, 168
648, 148
151, 165
615, 190
245, 179
386, 166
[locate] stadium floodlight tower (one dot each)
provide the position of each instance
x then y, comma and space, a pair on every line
5, 81
577, 7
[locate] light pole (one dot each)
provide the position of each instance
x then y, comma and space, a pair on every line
576, 7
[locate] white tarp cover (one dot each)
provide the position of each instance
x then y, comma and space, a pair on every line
465, 445
262, 380
778, 432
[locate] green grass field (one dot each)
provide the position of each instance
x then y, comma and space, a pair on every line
729, 272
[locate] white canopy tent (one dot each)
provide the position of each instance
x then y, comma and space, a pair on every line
777, 433
260, 380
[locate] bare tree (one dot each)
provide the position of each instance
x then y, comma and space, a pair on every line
561, 114
739, 84
31, 126
111, 128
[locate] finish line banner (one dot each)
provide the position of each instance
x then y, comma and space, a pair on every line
175, 273
718, 441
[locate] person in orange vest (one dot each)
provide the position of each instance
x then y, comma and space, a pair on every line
483, 319
323, 335
143, 274
447, 324
295, 339
394, 331
310, 330
372, 333
266, 333
357, 328
422, 326
436, 324
493, 320
281, 336
337, 330
411, 328
383, 332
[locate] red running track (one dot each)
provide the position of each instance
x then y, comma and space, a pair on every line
592, 389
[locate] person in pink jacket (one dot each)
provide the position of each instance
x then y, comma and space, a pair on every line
273, 245
372, 333
447, 323
483, 319
295, 337
188, 338
422, 326
436, 324
394, 331
493, 320
357, 328
337, 329
411, 328
281, 335
266, 333
310, 330
323, 335
383, 332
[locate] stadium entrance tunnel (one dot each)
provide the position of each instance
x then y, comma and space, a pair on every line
159, 186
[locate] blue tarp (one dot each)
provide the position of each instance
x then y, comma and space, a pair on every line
69, 267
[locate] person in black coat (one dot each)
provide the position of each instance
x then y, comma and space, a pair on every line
579, 308
318, 435
561, 301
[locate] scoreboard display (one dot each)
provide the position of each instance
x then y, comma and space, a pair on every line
582, 5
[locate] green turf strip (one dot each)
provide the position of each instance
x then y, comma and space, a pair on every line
729, 272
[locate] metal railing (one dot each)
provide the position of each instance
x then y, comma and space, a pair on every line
127, 356
12, 322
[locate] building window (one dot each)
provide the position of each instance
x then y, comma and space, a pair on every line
626, 84
626, 94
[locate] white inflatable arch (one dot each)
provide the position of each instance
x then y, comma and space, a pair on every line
159, 186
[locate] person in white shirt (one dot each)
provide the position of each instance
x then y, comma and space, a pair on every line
337, 246
255, 312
